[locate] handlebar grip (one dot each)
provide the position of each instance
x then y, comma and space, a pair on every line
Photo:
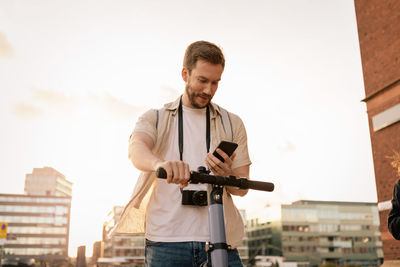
256, 185
161, 173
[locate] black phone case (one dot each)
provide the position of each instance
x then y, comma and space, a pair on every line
227, 147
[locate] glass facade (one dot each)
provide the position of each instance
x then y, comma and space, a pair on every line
33, 251
31, 199
47, 181
56, 220
314, 232
59, 210
37, 230
38, 226
39, 240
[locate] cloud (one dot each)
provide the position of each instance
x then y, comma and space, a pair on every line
26, 111
115, 107
6, 50
52, 98
286, 146
47, 104
44, 104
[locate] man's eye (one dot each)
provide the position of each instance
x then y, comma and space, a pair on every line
202, 80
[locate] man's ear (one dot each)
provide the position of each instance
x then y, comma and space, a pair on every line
185, 74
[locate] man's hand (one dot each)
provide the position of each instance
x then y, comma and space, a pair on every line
218, 167
178, 172
225, 169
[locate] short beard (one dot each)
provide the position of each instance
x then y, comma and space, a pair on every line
192, 97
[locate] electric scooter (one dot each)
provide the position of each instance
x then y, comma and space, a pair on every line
217, 250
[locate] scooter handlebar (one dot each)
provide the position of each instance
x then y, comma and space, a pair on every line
161, 173
257, 185
242, 183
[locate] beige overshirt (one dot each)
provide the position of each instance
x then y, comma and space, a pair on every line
133, 217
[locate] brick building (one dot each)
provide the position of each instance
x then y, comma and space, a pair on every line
379, 36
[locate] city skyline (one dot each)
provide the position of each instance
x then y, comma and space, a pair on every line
74, 82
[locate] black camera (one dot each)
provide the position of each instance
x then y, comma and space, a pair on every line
194, 198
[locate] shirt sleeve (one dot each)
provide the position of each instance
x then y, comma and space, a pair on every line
394, 214
240, 137
146, 123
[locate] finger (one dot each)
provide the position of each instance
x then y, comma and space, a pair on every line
184, 185
227, 165
213, 158
225, 168
217, 171
168, 169
211, 164
215, 168
175, 173
208, 160
186, 174
223, 154
181, 170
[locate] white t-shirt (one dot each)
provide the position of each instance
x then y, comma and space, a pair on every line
167, 220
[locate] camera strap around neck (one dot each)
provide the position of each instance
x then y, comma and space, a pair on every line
180, 129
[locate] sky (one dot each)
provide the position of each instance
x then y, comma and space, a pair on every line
75, 75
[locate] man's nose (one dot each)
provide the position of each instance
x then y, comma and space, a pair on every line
208, 89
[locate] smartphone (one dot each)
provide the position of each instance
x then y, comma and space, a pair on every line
227, 147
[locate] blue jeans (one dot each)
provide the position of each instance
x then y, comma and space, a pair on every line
182, 254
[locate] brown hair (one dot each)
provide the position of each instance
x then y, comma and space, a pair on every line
203, 50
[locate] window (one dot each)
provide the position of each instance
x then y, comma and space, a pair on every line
386, 118
35, 251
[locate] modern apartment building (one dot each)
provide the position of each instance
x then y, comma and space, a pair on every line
47, 181
315, 232
243, 248
121, 249
264, 238
38, 227
38, 222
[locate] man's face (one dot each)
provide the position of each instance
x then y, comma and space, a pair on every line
201, 83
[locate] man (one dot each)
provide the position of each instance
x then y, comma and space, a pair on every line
179, 138
394, 214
